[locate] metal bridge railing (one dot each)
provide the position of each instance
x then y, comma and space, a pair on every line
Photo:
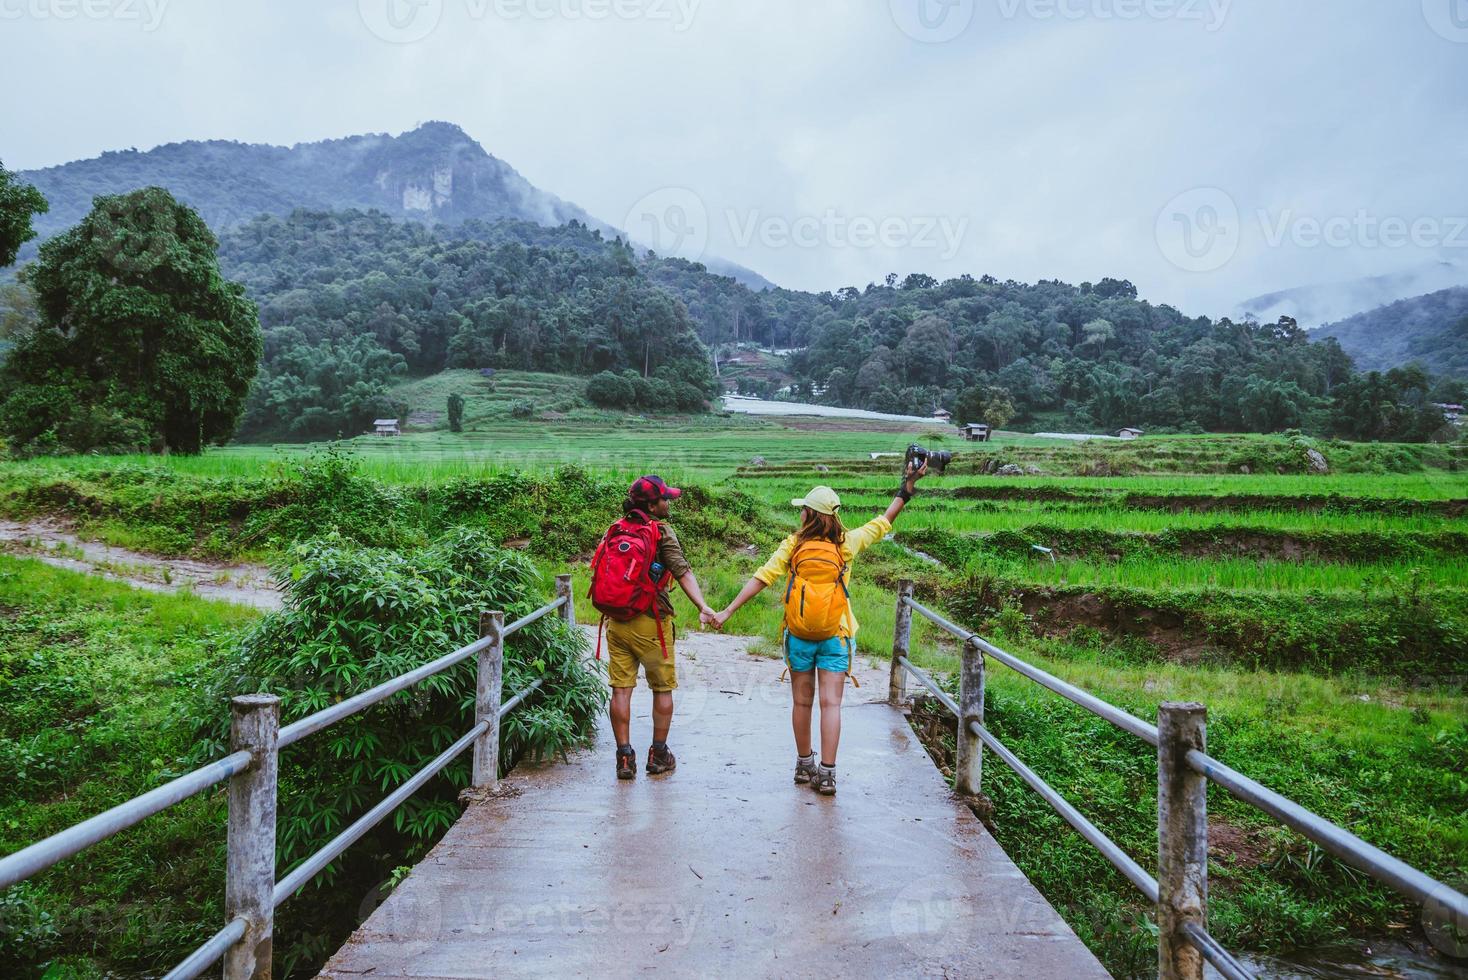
1184, 769
256, 738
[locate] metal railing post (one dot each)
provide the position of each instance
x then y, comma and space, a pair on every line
1182, 839
249, 884
901, 644
969, 770
563, 591
487, 701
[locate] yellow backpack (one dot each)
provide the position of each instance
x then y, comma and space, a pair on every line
816, 599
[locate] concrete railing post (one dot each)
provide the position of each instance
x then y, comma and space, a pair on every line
563, 590
487, 700
1182, 839
249, 883
901, 644
969, 772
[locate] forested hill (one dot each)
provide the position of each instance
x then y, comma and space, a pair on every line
435, 174
1431, 330
351, 301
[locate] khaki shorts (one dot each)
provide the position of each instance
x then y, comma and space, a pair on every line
636, 642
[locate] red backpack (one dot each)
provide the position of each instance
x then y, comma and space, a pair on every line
622, 587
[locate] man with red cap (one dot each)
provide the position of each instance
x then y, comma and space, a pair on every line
648, 639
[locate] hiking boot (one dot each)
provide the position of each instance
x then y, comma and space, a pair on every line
825, 781
660, 761
626, 764
805, 770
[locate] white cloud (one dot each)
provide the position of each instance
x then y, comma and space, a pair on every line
1057, 139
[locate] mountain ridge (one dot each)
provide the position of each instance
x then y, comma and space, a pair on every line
435, 173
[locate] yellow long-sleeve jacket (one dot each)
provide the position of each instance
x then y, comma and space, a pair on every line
855, 542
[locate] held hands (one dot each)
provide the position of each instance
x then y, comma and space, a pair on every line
714, 619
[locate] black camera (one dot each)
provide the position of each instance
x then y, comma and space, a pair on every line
937, 460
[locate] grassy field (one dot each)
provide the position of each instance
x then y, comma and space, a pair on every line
1323, 618
91, 675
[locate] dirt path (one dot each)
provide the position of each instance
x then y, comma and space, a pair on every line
54, 544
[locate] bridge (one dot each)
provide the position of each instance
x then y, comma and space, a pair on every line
725, 867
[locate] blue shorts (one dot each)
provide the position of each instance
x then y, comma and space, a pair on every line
833, 655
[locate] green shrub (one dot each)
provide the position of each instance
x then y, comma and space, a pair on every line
356, 617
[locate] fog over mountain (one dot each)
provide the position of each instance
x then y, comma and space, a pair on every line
435, 173
1315, 305
1057, 138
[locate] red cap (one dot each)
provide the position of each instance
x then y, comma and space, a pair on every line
650, 489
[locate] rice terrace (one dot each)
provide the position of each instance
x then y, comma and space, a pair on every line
697, 488
1320, 617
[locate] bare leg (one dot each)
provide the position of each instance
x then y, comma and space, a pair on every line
803, 688
833, 688
622, 715
662, 715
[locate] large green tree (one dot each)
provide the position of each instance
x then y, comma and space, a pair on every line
17, 203
141, 342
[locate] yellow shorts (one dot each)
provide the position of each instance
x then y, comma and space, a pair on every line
636, 642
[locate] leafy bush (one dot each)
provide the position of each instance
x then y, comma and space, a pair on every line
356, 617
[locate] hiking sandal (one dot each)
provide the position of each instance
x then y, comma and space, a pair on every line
805, 771
660, 762
626, 764
825, 782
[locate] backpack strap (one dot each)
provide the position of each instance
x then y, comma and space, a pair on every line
599, 627
657, 617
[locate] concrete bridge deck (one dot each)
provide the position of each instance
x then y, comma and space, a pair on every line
724, 867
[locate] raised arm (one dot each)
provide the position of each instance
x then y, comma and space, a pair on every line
905, 492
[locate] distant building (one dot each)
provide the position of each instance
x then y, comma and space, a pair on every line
1129, 434
387, 427
942, 415
976, 432
1452, 414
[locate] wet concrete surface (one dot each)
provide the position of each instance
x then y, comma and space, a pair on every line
724, 867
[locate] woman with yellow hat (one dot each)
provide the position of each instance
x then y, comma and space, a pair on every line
820, 628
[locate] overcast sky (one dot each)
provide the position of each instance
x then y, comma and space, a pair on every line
1208, 150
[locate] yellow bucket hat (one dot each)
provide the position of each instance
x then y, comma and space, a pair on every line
822, 500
